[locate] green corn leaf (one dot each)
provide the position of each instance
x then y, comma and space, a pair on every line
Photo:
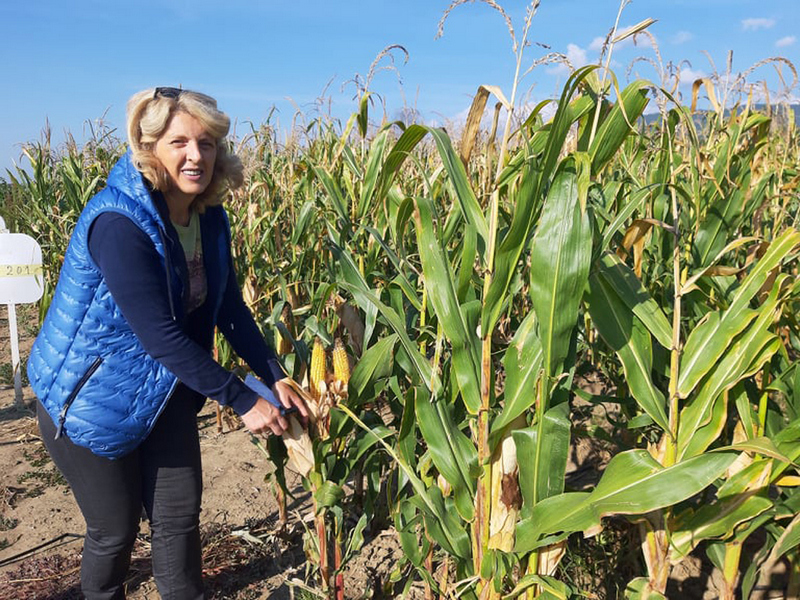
523, 364
627, 336
305, 220
763, 446
442, 292
550, 588
552, 521
364, 443
363, 114
618, 124
374, 364
329, 494
706, 343
441, 520
621, 278
397, 155
545, 450
334, 192
634, 483
400, 278
788, 540
634, 202
745, 355
406, 519
743, 481
548, 141
371, 172
470, 207
560, 257
709, 340
787, 442
442, 523
640, 589
368, 301
469, 251
351, 274
715, 521
465, 196
452, 452
355, 540
722, 221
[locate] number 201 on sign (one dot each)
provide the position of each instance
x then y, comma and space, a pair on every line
20, 270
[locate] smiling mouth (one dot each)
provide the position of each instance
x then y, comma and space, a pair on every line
192, 172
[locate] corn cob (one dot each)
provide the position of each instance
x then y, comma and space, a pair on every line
341, 364
284, 345
318, 369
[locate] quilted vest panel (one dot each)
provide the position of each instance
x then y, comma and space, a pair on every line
87, 367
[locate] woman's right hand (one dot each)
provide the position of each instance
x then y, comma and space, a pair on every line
264, 418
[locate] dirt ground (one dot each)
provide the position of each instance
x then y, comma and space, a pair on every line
246, 554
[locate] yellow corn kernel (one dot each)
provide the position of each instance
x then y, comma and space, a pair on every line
341, 365
318, 369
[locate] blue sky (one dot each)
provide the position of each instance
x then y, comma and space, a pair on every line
70, 63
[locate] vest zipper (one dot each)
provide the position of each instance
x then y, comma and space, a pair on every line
62, 416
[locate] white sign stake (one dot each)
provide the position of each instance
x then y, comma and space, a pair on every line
21, 281
15, 366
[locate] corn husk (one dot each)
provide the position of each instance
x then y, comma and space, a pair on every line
506, 499
298, 442
250, 291
352, 321
284, 344
299, 448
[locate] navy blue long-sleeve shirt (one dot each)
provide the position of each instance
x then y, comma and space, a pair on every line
135, 277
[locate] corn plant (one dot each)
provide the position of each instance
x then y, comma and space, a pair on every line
487, 274
494, 515
732, 339
45, 199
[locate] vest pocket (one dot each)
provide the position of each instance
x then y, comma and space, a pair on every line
62, 416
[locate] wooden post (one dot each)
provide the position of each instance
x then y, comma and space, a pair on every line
15, 366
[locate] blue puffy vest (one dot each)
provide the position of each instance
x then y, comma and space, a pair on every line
87, 367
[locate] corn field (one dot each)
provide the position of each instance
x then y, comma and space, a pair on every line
443, 300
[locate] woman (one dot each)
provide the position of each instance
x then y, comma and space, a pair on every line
122, 363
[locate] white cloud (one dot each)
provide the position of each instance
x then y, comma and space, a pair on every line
682, 37
640, 40
643, 41
789, 40
597, 44
689, 76
576, 55
757, 23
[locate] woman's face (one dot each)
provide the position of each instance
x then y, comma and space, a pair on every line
188, 153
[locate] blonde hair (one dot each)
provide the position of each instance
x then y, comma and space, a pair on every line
149, 113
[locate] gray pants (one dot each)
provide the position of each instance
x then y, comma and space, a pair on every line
164, 476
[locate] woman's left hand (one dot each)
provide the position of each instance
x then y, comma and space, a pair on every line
285, 393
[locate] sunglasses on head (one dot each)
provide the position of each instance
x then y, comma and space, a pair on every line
167, 92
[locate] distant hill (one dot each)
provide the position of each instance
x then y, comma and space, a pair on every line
778, 114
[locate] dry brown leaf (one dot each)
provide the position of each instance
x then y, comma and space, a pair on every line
299, 447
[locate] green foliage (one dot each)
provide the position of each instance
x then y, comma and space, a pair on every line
660, 258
